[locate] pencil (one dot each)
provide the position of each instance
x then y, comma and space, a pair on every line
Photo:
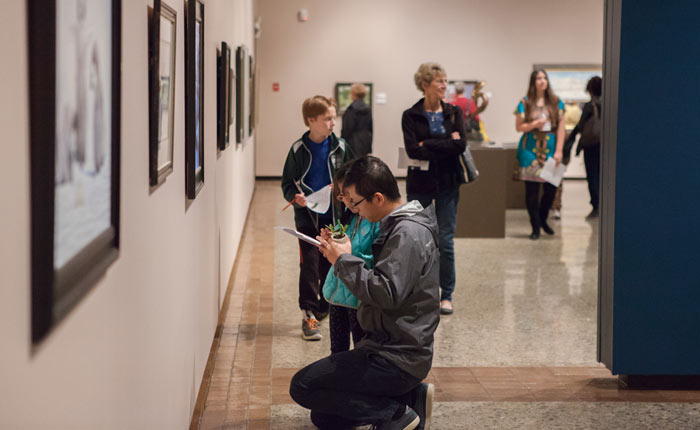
288, 205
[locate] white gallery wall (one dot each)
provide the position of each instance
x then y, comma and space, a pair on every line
131, 354
383, 42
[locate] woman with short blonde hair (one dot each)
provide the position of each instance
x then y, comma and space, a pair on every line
433, 131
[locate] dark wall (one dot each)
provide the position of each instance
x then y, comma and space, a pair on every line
657, 190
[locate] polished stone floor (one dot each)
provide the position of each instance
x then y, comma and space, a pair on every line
519, 352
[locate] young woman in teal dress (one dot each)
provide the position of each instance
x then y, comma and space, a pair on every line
540, 117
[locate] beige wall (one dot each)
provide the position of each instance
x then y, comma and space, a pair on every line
132, 353
384, 42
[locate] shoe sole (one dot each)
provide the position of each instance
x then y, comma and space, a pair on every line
413, 424
428, 406
312, 337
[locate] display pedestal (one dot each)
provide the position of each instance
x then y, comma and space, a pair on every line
482, 205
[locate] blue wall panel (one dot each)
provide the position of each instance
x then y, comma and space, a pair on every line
657, 191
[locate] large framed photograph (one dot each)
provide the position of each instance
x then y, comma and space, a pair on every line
342, 95
74, 92
223, 96
161, 90
242, 94
194, 97
569, 80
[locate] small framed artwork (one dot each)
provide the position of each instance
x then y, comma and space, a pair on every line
242, 94
223, 96
342, 95
451, 93
74, 98
194, 97
161, 90
251, 95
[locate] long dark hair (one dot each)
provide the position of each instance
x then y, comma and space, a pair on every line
550, 99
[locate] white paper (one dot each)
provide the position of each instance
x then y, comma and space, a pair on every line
301, 236
553, 173
405, 162
320, 200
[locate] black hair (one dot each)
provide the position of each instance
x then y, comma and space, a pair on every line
370, 175
595, 86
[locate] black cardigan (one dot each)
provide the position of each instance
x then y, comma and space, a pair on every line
446, 169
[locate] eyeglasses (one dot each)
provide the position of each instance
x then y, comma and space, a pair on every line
354, 205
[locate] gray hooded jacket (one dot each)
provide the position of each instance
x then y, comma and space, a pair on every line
399, 298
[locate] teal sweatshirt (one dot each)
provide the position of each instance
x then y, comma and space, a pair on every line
362, 238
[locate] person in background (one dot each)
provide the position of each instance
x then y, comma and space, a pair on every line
379, 382
466, 104
589, 142
357, 122
433, 132
343, 304
311, 161
540, 117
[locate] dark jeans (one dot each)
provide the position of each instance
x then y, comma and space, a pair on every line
446, 210
352, 388
591, 158
313, 268
344, 322
538, 210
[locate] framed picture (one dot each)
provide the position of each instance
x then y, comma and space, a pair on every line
242, 94
194, 97
161, 90
251, 94
342, 95
74, 96
569, 80
223, 96
451, 94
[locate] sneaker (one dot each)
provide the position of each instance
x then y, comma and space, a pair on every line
408, 421
556, 213
320, 316
423, 404
593, 214
309, 329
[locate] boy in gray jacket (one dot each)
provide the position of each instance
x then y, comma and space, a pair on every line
379, 382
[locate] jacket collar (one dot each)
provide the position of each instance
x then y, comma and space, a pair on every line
419, 108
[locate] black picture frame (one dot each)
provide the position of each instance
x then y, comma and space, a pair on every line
223, 99
194, 97
242, 94
74, 113
161, 91
251, 95
342, 96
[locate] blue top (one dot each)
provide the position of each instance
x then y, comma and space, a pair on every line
318, 176
435, 122
362, 237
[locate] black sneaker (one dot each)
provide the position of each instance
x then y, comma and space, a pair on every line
408, 421
309, 329
320, 316
423, 404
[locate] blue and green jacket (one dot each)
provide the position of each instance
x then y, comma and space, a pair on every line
361, 237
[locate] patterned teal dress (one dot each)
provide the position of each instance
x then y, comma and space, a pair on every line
536, 146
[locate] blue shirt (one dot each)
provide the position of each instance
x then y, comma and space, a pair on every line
318, 175
435, 122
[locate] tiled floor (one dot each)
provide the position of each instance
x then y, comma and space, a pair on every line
519, 352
